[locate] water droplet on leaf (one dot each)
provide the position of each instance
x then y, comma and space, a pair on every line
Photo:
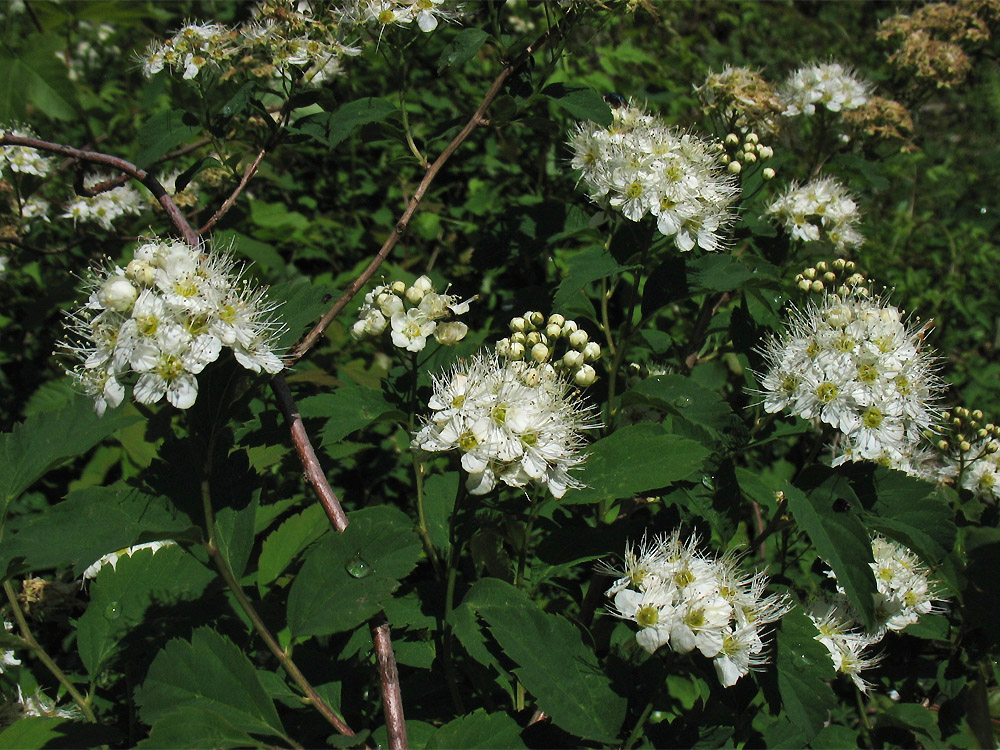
683, 402
358, 566
113, 611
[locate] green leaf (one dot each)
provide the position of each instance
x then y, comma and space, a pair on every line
333, 128
716, 272
804, 669
440, 491
840, 539
580, 102
197, 727
89, 524
466, 628
912, 716
277, 216
162, 133
465, 44
554, 665
288, 540
680, 395
234, 533
477, 730
302, 305
31, 732
40, 442
261, 253
346, 409
584, 267
635, 459
835, 737
209, 674
379, 547
36, 79
120, 596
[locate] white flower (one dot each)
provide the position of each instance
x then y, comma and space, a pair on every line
22, 159
7, 658
512, 422
821, 208
831, 85
642, 167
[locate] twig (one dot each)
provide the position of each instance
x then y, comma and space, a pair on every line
93, 157
478, 119
307, 456
392, 698
708, 310
123, 178
227, 204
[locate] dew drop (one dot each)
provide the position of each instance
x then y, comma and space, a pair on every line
358, 566
683, 402
113, 611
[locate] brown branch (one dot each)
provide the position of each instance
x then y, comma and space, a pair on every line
121, 179
228, 203
478, 119
93, 157
392, 698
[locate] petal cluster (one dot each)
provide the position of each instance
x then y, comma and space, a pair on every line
853, 363
22, 159
821, 209
640, 166
512, 422
829, 85
905, 592
411, 314
686, 599
164, 317
426, 14
105, 207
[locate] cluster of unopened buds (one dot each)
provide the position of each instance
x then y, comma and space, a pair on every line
970, 450
839, 277
555, 341
746, 151
411, 313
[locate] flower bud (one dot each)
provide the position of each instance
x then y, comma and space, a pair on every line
450, 333
732, 139
838, 265
725, 158
765, 152
117, 293
540, 352
516, 351
977, 414
750, 158
535, 318
398, 287
358, 330
517, 325
739, 155
752, 138
556, 319
817, 286
735, 167
573, 359
805, 285
592, 351
829, 277
822, 266
982, 433
965, 445
943, 446
141, 271
568, 327
533, 338
749, 148
992, 448
553, 330
518, 338
578, 339
768, 174
585, 376
809, 273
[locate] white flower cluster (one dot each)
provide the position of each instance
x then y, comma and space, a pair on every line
970, 453
281, 35
854, 364
36, 704
166, 316
106, 207
412, 313
684, 598
7, 658
112, 558
831, 85
640, 166
905, 593
821, 208
533, 337
22, 159
426, 13
515, 422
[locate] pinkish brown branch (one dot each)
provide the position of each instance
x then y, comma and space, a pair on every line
92, 157
248, 174
392, 697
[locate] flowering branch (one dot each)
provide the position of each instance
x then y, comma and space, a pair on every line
93, 157
478, 119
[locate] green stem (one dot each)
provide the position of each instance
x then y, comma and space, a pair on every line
640, 724
773, 525
42, 654
449, 603
522, 554
422, 528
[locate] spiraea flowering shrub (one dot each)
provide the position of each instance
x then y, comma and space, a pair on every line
163, 318
423, 392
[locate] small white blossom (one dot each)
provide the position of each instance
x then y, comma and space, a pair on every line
821, 209
22, 159
830, 85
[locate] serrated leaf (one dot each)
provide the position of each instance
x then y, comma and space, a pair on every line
912, 716
580, 102
36, 79
234, 533
466, 629
554, 665
31, 732
380, 544
301, 305
120, 596
208, 673
261, 253
635, 459
477, 730
804, 669
196, 727
680, 395
912, 512
583, 268
288, 540
40, 442
333, 128
462, 47
717, 272
840, 540
92, 522
162, 133
346, 409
